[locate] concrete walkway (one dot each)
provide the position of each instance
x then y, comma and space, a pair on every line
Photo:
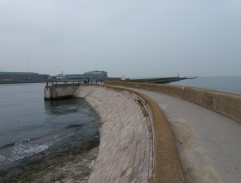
209, 144
126, 139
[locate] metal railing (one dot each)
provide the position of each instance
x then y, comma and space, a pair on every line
79, 81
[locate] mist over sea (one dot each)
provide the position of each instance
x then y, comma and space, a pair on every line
230, 84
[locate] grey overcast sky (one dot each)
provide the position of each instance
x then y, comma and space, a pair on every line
135, 38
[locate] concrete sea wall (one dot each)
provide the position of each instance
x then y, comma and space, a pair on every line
60, 91
136, 142
126, 139
224, 103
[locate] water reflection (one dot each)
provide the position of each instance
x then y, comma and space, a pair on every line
63, 107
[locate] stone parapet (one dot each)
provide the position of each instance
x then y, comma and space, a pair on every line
226, 104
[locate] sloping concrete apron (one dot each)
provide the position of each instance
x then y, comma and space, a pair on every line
209, 144
126, 148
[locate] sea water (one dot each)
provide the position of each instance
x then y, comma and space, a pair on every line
225, 84
30, 125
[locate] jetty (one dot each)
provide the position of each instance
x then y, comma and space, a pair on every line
159, 80
164, 80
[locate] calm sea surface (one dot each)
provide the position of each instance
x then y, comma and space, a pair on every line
225, 84
29, 125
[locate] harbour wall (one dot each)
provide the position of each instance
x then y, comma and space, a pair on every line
166, 161
60, 91
226, 104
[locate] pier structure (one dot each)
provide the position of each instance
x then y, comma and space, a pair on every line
59, 89
195, 132
159, 80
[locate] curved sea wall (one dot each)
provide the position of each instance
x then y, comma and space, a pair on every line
126, 140
224, 103
136, 142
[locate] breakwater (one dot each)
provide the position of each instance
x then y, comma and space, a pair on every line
224, 103
159, 80
166, 162
136, 140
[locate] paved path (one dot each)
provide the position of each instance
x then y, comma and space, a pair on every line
209, 144
126, 144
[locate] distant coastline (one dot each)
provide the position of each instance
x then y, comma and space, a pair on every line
20, 82
22, 77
